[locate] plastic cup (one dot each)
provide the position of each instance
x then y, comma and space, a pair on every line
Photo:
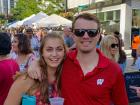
56, 101
28, 100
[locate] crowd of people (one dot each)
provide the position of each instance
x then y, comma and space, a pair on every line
81, 65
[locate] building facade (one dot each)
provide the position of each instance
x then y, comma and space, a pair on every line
115, 15
5, 6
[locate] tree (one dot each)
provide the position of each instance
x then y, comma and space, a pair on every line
53, 6
25, 8
2, 19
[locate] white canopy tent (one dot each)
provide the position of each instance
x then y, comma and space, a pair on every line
35, 18
54, 21
20, 23
13, 25
26, 19
47, 22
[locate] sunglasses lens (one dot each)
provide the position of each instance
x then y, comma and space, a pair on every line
114, 45
92, 33
81, 32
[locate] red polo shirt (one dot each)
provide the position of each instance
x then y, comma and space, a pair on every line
103, 85
8, 68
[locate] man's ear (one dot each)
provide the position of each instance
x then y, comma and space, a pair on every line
98, 36
73, 36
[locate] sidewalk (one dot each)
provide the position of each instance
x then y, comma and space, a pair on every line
129, 68
128, 52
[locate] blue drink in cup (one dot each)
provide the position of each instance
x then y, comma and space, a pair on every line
28, 100
56, 101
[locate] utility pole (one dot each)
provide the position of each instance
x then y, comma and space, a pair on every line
7, 10
66, 5
4, 8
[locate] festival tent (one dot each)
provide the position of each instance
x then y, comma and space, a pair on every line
26, 19
8, 24
35, 18
62, 21
20, 23
54, 21
47, 22
13, 25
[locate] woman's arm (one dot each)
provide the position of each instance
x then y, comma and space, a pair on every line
19, 87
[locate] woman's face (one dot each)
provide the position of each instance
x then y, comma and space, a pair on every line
53, 52
15, 43
114, 47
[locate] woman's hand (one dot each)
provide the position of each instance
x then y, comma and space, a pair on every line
137, 90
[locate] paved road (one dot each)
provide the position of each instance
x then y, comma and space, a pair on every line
129, 68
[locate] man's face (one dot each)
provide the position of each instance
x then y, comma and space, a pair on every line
29, 34
67, 31
86, 43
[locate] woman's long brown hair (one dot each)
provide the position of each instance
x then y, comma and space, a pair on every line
43, 85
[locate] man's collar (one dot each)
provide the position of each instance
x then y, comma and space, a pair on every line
102, 63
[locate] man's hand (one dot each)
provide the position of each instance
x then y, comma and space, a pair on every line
137, 90
34, 70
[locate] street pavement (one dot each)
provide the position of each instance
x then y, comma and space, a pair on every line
129, 68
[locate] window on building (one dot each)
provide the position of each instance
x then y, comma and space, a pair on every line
117, 15
117, 1
109, 15
136, 18
12, 3
101, 16
113, 2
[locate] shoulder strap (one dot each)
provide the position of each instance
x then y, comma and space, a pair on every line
26, 65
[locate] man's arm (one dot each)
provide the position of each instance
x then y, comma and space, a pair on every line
34, 70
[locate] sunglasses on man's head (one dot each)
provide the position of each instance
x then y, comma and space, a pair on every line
114, 45
90, 32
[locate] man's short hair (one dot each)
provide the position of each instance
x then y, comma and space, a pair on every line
5, 43
29, 30
86, 16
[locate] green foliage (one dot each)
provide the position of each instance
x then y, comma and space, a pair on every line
68, 15
2, 16
25, 8
2, 19
54, 6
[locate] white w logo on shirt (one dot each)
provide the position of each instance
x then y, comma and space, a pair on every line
100, 81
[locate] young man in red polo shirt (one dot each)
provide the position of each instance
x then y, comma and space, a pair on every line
88, 77
8, 66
